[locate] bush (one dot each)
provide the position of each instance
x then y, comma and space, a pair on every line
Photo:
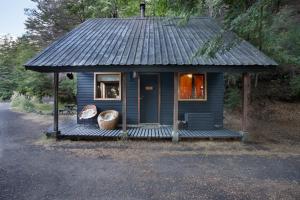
232, 98
22, 102
295, 86
16, 99
27, 105
35, 100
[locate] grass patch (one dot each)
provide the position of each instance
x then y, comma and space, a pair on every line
43, 108
31, 104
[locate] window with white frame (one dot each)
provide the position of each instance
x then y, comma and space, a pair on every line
107, 86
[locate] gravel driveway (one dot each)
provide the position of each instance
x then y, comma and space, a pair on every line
35, 168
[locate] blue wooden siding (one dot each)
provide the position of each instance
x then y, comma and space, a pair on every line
85, 95
214, 103
132, 99
166, 98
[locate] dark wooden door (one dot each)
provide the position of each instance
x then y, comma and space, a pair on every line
149, 98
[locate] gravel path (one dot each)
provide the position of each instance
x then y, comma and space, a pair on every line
34, 168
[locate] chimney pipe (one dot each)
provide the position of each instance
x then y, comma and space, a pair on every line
142, 8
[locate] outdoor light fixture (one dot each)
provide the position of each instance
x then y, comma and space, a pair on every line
70, 76
134, 75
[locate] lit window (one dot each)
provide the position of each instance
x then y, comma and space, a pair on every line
192, 86
108, 86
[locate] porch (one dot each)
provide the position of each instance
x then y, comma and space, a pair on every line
79, 131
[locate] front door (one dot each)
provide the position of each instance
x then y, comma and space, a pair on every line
149, 98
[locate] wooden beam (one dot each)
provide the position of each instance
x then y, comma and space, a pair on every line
175, 109
55, 128
124, 102
246, 102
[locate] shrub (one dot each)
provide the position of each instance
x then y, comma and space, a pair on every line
16, 99
295, 86
35, 100
232, 98
22, 102
27, 105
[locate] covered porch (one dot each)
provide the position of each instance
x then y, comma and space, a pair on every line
92, 132
163, 132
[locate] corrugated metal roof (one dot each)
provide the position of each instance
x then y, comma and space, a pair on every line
143, 41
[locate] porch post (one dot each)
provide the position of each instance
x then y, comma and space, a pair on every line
55, 128
175, 109
124, 102
246, 101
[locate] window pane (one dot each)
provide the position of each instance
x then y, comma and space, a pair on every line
192, 86
185, 86
199, 86
108, 77
107, 86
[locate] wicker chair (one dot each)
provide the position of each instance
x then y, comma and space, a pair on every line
108, 119
87, 112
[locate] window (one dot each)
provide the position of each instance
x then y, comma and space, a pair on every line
107, 86
192, 86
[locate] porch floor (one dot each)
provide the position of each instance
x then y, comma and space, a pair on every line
90, 131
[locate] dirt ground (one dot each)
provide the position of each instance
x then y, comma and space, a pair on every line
33, 167
270, 122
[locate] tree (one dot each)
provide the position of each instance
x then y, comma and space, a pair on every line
29, 82
53, 18
7, 49
13, 75
50, 20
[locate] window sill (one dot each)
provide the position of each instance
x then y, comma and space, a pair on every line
192, 99
97, 99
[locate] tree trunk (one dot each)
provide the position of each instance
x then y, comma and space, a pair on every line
256, 80
260, 27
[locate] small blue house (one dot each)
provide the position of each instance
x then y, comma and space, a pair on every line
146, 69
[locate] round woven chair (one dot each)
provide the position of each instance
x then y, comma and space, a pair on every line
88, 112
108, 119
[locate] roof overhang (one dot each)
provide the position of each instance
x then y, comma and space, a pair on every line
153, 68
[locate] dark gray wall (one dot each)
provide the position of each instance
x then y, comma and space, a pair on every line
214, 103
167, 98
85, 95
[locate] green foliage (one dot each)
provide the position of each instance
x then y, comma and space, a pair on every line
43, 108
295, 86
13, 75
33, 83
7, 51
30, 104
22, 102
68, 90
51, 18
267, 25
232, 98
282, 39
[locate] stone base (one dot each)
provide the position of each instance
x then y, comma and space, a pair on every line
52, 134
175, 137
245, 135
